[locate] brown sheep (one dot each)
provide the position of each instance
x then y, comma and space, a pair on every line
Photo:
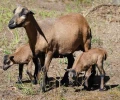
53, 37
95, 56
22, 55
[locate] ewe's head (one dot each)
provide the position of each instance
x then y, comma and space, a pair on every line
19, 18
7, 62
71, 76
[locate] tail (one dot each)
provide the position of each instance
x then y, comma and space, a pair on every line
105, 55
89, 37
90, 33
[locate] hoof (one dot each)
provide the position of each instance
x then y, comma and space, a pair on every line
19, 82
103, 89
42, 87
86, 88
34, 82
64, 82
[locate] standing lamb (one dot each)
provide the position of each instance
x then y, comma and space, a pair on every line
53, 37
23, 55
95, 56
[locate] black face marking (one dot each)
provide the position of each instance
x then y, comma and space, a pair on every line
6, 62
23, 12
6, 59
19, 18
72, 76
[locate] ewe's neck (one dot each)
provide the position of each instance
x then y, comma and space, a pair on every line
31, 31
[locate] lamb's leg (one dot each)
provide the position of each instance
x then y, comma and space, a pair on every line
29, 70
102, 75
20, 73
92, 76
70, 63
87, 46
87, 76
45, 69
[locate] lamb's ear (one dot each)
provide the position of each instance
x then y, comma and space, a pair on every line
6, 56
67, 70
14, 10
11, 58
31, 12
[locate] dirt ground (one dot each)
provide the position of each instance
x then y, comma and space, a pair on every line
104, 21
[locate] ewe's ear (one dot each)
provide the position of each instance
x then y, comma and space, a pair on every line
25, 11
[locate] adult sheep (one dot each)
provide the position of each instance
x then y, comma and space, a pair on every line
53, 37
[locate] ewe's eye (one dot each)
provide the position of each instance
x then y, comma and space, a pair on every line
22, 13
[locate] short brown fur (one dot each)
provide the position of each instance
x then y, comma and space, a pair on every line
53, 37
22, 55
95, 56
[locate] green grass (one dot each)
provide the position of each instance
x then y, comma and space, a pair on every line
63, 61
45, 14
26, 89
70, 9
9, 46
97, 40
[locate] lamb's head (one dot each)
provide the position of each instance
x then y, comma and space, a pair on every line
71, 76
7, 62
20, 17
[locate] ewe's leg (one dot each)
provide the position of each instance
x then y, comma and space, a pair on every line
102, 74
45, 68
70, 63
29, 70
20, 73
42, 61
37, 69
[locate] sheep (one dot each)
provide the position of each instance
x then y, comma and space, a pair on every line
94, 56
22, 55
53, 37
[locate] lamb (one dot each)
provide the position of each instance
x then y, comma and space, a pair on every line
22, 55
95, 56
53, 37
